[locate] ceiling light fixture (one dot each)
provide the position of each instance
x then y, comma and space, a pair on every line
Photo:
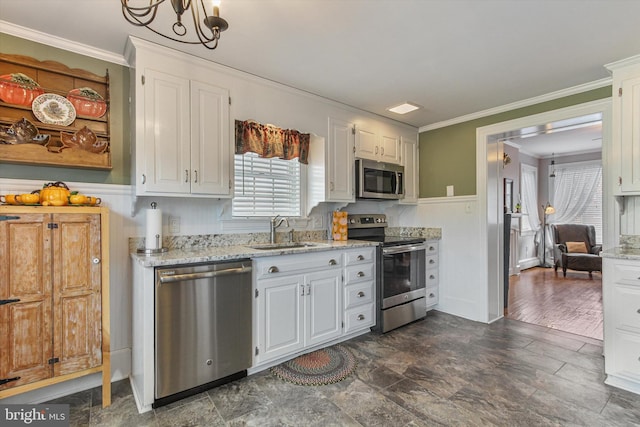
207, 29
404, 108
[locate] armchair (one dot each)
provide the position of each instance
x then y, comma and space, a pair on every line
575, 248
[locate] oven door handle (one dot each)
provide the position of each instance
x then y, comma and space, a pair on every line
402, 248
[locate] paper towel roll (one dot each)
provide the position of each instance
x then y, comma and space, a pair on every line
154, 228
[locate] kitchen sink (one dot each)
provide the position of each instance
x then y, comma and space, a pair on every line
286, 245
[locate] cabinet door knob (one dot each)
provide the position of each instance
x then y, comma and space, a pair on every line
332, 262
431, 295
638, 311
431, 276
96, 260
301, 290
360, 258
432, 261
273, 269
431, 248
360, 294
360, 316
360, 274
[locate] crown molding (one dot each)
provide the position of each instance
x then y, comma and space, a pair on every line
597, 84
58, 42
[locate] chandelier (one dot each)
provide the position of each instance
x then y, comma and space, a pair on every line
207, 28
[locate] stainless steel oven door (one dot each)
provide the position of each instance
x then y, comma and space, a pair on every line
403, 271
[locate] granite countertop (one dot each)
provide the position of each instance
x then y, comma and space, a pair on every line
222, 247
629, 248
231, 252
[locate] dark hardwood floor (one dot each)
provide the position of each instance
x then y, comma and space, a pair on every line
570, 304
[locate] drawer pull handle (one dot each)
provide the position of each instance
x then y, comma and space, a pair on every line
431, 276
360, 294
332, 262
360, 316
432, 261
273, 269
301, 290
360, 258
360, 274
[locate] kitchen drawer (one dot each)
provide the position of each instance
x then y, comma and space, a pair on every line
626, 300
360, 255
431, 278
288, 264
359, 318
432, 248
359, 273
626, 272
432, 296
432, 261
358, 294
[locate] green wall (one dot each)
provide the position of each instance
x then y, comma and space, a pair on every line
119, 92
448, 154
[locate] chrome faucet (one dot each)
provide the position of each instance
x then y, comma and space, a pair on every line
276, 222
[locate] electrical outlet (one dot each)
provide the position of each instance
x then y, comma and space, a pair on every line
174, 224
317, 221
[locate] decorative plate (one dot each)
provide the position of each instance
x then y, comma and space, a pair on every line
53, 109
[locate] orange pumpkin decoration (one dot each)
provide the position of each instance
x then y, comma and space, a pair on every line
55, 194
19, 89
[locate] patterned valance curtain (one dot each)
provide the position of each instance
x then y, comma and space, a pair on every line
271, 141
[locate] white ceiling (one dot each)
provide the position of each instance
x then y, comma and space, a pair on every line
452, 57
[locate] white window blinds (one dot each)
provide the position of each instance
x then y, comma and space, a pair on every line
266, 187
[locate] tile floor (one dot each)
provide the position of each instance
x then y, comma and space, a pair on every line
442, 371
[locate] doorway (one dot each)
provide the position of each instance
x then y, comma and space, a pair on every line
490, 151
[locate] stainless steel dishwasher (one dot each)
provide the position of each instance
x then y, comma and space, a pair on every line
202, 327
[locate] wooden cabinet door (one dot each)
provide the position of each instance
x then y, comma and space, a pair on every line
25, 276
76, 292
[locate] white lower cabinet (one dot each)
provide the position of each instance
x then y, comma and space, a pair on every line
295, 310
621, 304
306, 300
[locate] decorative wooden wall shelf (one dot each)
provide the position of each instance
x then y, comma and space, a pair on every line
54, 77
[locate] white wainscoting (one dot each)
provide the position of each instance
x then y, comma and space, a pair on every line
461, 292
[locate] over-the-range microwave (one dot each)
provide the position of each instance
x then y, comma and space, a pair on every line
379, 180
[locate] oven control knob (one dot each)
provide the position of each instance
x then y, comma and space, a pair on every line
352, 221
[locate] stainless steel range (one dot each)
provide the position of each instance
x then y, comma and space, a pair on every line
401, 285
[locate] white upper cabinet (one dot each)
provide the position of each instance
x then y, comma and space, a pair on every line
340, 162
626, 125
375, 145
182, 127
410, 161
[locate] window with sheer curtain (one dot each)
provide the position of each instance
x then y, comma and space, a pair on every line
266, 186
529, 198
577, 195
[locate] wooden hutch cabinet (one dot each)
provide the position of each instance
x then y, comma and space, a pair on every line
54, 296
